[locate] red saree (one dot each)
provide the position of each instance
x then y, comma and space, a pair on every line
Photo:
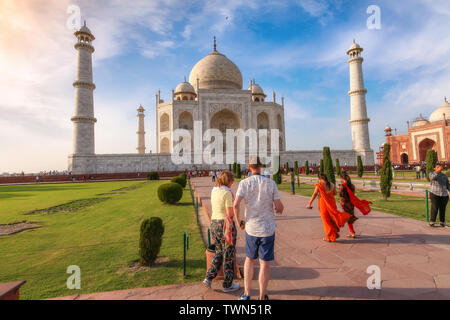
362, 205
332, 218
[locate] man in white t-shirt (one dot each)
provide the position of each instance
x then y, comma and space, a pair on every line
260, 195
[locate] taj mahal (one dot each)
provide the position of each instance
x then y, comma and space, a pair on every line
214, 96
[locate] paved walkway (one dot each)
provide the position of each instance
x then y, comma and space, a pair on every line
414, 259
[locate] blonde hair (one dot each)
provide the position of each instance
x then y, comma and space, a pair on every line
225, 178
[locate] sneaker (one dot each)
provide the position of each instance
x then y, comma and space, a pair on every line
431, 225
266, 297
207, 283
234, 287
244, 297
442, 225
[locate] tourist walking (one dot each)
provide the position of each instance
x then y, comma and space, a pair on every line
418, 169
260, 194
333, 219
439, 193
292, 176
213, 176
348, 201
223, 233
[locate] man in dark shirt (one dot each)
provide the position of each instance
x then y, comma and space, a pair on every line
439, 192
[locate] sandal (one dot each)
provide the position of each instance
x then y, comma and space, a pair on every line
353, 236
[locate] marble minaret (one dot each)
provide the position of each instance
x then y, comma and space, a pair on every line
140, 132
83, 119
358, 111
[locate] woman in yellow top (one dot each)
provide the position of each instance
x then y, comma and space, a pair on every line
223, 232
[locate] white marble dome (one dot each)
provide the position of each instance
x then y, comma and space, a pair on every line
216, 71
421, 121
256, 89
438, 114
354, 46
185, 87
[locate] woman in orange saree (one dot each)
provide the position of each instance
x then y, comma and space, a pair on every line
333, 219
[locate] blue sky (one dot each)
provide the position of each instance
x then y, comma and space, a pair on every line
297, 48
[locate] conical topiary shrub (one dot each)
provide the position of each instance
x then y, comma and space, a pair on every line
150, 240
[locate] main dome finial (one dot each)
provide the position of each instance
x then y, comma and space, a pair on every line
215, 50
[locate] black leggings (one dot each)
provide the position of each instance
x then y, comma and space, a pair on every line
438, 204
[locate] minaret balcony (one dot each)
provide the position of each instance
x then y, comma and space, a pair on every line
355, 92
89, 85
83, 119
84, 45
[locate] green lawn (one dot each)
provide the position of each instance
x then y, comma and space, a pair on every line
401, 205
99, 233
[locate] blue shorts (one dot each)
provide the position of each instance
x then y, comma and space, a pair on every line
262, 247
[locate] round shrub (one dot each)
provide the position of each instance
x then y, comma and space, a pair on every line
170, 192
179, 180
153, 175
150, 240
184, 176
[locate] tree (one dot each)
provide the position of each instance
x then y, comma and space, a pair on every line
277, 176
431, 160
297, 172
150, 240
229, 167
307, 167
338, 167
287, 167
321, 166
238, 171
328, 165
386, 173
360, 168
234, 167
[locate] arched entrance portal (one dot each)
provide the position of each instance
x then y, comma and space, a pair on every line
424, 146
223, 120
404, 158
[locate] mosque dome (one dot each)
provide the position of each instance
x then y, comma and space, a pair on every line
354, 46
420, 121
438, 114
185, 87
256, 89
216, 71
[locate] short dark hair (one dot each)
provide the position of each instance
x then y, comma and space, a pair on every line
254, 162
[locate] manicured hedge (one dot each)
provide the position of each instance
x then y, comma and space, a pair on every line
153, 175
170, 192
180, 180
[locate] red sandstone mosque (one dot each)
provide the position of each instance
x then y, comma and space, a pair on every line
411, 147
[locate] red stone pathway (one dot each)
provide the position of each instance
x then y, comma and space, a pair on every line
414, 259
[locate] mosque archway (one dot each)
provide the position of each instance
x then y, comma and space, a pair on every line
164, 146
279, 124
262, 121
424, 146
223, 120
186, 121
164, 123
404, 158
